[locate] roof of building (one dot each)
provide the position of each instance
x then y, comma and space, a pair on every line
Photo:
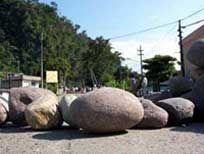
33, 78
198, 33
14, 76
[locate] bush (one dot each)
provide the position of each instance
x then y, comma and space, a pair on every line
124, 84
1, 75
112, 83
52, 87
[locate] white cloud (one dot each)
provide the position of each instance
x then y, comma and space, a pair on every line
128, 48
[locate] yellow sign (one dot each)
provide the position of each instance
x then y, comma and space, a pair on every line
51, 77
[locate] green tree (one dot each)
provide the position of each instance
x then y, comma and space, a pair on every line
159, 68
66, 49
99, 59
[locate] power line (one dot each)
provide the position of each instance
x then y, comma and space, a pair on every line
196, 12
181, 40
131, 59
170, 30
156, 27
143, 31
163, 37
194, 23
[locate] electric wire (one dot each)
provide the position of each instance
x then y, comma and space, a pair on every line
157, 27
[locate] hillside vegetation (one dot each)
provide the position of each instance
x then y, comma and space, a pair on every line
66, 48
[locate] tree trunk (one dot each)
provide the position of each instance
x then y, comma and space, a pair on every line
158, 85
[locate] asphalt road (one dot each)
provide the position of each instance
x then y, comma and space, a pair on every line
172, 140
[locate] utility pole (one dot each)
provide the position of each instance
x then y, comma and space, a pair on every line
18, 63
41, 60
181, 47
141, 54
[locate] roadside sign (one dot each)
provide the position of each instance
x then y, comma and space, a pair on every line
51, 77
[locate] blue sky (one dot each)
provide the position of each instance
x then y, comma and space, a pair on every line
111, 18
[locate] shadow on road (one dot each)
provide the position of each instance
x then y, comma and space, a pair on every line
11, 128
71, 134
191, 128
63, 133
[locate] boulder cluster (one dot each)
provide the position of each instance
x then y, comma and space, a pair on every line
191, 87
104, 110
109, 110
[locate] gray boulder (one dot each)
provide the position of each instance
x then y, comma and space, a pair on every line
197, 97
154, 116
188, 96
159, 96
197, 73
106, 110
180, 85
64, 106
43, 113
18, 101
196, 53
180, 110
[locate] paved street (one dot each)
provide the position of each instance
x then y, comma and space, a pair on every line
189, 140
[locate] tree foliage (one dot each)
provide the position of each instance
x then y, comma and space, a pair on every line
72, 53
159, 68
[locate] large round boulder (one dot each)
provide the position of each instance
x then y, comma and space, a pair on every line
188, 96
197, 97
180, 110
64, 106
43, 113
196, 53
19, 99
106, 110
197, 73
154, 116
180, 85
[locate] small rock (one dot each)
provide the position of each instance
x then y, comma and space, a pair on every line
154, 116
106, 110
179, 109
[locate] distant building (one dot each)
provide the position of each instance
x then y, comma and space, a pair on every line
187, 42
19, 80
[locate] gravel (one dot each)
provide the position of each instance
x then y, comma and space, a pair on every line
181, 140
